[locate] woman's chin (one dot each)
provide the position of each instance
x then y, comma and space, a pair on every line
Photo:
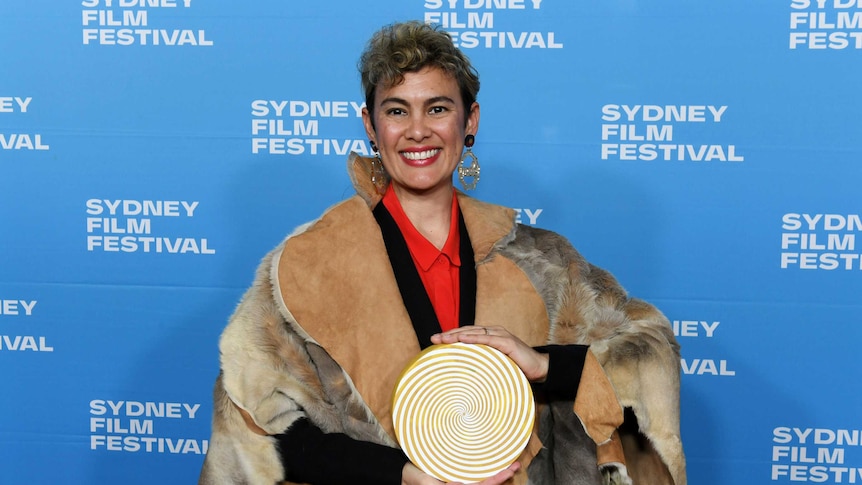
424, 186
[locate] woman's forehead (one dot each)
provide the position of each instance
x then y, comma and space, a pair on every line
427, 83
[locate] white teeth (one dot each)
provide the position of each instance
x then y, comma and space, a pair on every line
420, 155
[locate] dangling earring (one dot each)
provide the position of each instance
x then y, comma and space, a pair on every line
378, 172
471, 171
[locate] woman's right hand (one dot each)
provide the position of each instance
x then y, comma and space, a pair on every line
410, 475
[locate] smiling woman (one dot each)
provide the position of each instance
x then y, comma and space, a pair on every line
313, 354
419, 127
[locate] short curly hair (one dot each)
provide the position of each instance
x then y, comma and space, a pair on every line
410, 46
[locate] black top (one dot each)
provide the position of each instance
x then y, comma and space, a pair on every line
413, 293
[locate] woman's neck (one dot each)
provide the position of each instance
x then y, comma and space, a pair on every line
429, 212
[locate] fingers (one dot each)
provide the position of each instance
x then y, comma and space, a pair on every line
471, 334
503, 476
499, 478
410, 474
532, 363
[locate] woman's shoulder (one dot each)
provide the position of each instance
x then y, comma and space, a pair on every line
536, 242
347, 212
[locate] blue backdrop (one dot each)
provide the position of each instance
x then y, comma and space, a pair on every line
151, 151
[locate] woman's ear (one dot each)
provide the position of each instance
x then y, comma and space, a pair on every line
473, 119
368, 122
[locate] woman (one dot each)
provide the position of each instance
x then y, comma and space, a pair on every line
312, 353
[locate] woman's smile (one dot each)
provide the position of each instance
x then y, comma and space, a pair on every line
420, 157
419, 125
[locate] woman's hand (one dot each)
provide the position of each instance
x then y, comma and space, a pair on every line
532, 363
410, 475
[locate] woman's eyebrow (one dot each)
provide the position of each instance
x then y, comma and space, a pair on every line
440, 99
393, 99
434, 100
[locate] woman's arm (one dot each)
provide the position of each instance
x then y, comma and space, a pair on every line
311, 456
553, 369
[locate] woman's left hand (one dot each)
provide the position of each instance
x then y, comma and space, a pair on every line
532, 363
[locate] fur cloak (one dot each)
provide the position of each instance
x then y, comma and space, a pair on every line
322, 334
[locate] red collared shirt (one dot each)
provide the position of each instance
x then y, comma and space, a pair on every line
438, 269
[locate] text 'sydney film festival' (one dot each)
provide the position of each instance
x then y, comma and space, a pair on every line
152, 152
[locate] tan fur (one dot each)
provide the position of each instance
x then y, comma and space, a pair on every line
301, 340
635, 345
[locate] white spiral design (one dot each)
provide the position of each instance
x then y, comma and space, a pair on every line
462, 412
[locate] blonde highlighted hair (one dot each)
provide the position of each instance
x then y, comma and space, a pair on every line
411, 46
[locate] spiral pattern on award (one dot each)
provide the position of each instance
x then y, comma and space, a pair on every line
462, 412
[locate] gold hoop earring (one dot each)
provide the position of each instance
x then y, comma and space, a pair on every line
466, 172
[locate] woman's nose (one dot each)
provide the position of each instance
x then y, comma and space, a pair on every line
418, 128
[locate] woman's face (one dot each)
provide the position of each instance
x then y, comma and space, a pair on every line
420, 129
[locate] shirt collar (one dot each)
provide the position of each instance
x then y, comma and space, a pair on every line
423, 252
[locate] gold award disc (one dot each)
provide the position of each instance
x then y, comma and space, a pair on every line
462, 412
